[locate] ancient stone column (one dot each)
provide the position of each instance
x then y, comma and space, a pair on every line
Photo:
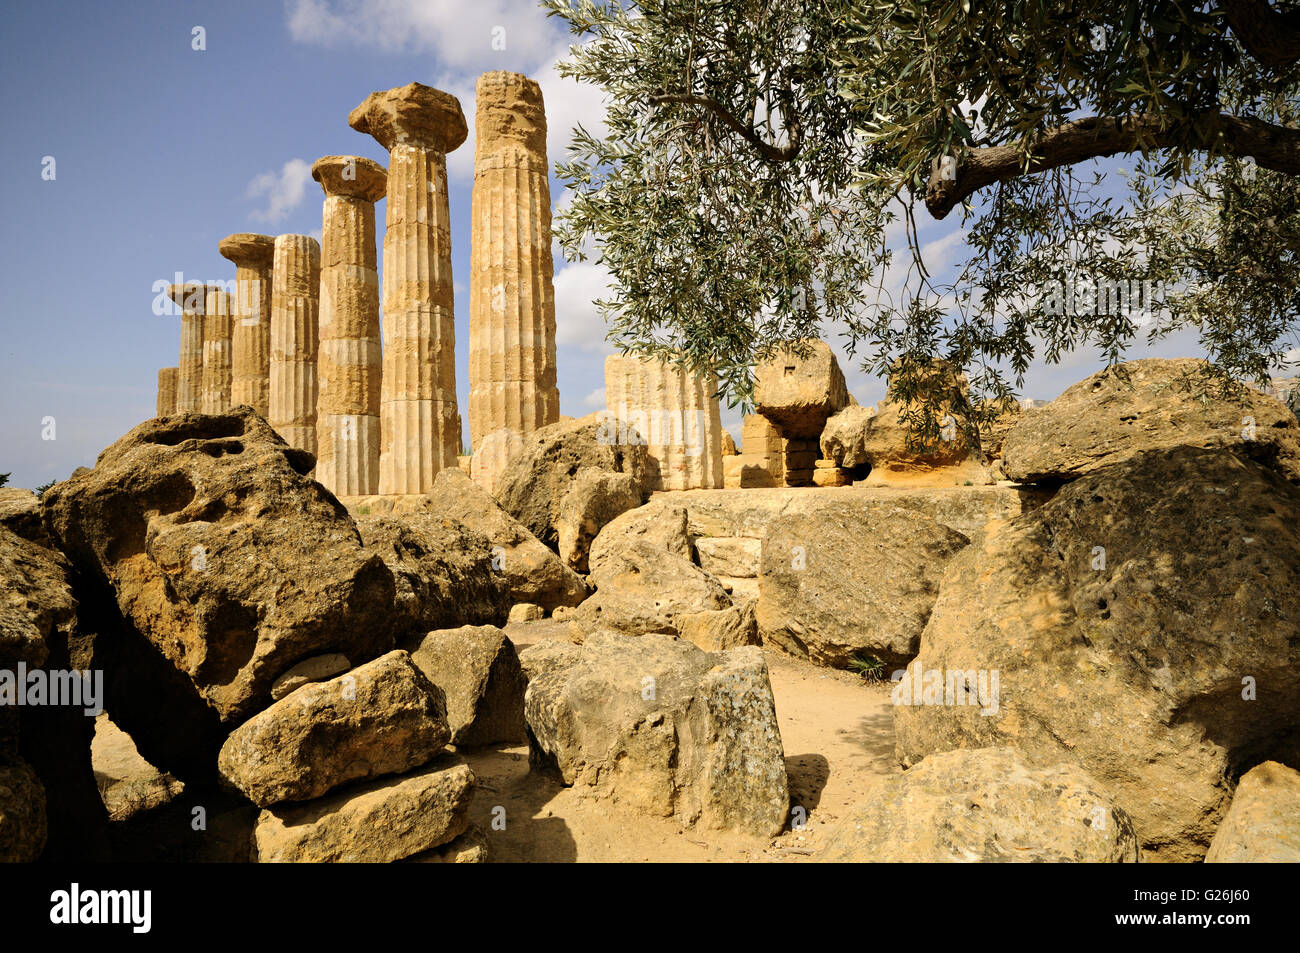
420, 424
349, 368
295, 290
189, 378
250, 344
217, 329
512, 382
675, 413
167, 391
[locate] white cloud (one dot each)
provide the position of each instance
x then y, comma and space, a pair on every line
284, 191
478, 35
578, 323
595, 400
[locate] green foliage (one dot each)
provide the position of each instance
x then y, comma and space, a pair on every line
4, 478
868, 666
757, 152
40, 490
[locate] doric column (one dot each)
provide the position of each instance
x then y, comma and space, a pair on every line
189, 378
250, 344
350, 364
675, 413
217, 329
167, 391
511, 295
295, 291
420, 424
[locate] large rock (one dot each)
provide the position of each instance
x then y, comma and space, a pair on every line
379, 822
661, 727
593, 499
878, 445
36, 601
1263, 824
853, 580
641, 588
382, 718
444, 571
20, 513
1146, 405
657, 525
22, 811
39, 628
797, 393
211, 564
1144, 623
128, 784
529, 571
988, 805
478, 670
534, 483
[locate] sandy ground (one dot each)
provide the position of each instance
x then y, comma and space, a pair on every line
838, 736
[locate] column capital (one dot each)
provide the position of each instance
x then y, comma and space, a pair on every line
247, 250
509, 108
192, 293
352, 176
413, 114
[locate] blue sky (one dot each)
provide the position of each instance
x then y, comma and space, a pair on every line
161, 150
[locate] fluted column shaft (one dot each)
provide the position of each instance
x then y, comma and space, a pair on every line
295, 286
418, 125
217, 330
251, 334
189, 377
166, 391
512, 365
675, 413
350, 369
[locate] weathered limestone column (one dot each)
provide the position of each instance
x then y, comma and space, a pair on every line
189, 378
349, 368
295, 291
512, 379
217, 329
167, 391
250, 343
419, 420
676, 413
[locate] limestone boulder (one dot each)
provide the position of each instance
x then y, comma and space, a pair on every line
656, 525
593, 499
444, 571
799, 393
1150, 404
384, 717
529, 571
641, 588
720, 629
213, 564
851, 580
318, 668
20, 513
534, 483
661, 727
988, 805
36, 601
128, 784
478, 671
383, 821
881, 442
1263, 824
1144, 623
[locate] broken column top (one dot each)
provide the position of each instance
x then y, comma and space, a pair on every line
353, 176
179, 294
510, 107
414, 114
248, 250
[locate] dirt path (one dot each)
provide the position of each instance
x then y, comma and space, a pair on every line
838, 736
